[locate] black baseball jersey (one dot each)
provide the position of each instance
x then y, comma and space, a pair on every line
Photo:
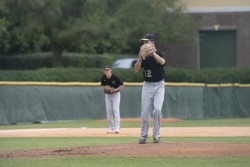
153, 71
113, 81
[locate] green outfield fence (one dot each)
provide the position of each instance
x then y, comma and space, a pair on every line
30, 102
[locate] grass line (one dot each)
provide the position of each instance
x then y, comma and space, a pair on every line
103, 161
103, 124
11, 144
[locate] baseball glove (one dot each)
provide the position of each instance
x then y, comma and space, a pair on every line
108, 89
146, 50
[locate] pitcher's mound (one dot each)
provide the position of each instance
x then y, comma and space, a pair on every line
163, 149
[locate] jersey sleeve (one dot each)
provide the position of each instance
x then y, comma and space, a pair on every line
162, 55
120, 82
102, 81
142, 64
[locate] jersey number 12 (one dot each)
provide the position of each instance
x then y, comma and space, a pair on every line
148, 73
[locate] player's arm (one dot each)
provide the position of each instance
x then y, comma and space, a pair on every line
138, 64
119, 88
158, 59
104, 88
103, 84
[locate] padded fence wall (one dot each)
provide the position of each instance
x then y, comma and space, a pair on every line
38, 102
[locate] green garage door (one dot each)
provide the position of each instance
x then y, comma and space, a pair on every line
217, 49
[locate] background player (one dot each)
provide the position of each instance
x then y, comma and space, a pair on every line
112, 85
153, 89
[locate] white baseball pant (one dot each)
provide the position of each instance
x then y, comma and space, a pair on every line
113, 110
152, 101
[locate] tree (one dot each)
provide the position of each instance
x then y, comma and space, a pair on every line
164, 18
35, 24
3, 25
90, 26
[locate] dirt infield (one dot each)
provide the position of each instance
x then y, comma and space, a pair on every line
173, 149
130, 132
163, 149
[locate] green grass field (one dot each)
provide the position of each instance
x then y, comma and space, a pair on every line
103, 161
103, 124
12, 144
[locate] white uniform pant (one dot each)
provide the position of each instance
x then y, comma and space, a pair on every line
113, 110
152, 101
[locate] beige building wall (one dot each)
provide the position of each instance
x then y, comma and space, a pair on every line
226, 15
216, 3
201, 6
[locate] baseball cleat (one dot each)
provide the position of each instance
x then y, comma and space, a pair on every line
110, 131
117, 131
142, 140
156, 139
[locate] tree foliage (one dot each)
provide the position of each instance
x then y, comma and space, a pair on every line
90, 26
3, 26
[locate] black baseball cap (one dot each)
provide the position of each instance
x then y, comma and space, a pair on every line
147, 37
107, 66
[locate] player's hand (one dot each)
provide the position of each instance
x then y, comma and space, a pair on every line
152, 53
113, 91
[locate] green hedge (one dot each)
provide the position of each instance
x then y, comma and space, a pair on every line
214, 75
229, 75
44, 60
26, 61
88, 68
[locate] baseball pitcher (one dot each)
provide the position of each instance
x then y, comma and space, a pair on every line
151, 62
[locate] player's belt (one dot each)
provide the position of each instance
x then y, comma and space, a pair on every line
155, 81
